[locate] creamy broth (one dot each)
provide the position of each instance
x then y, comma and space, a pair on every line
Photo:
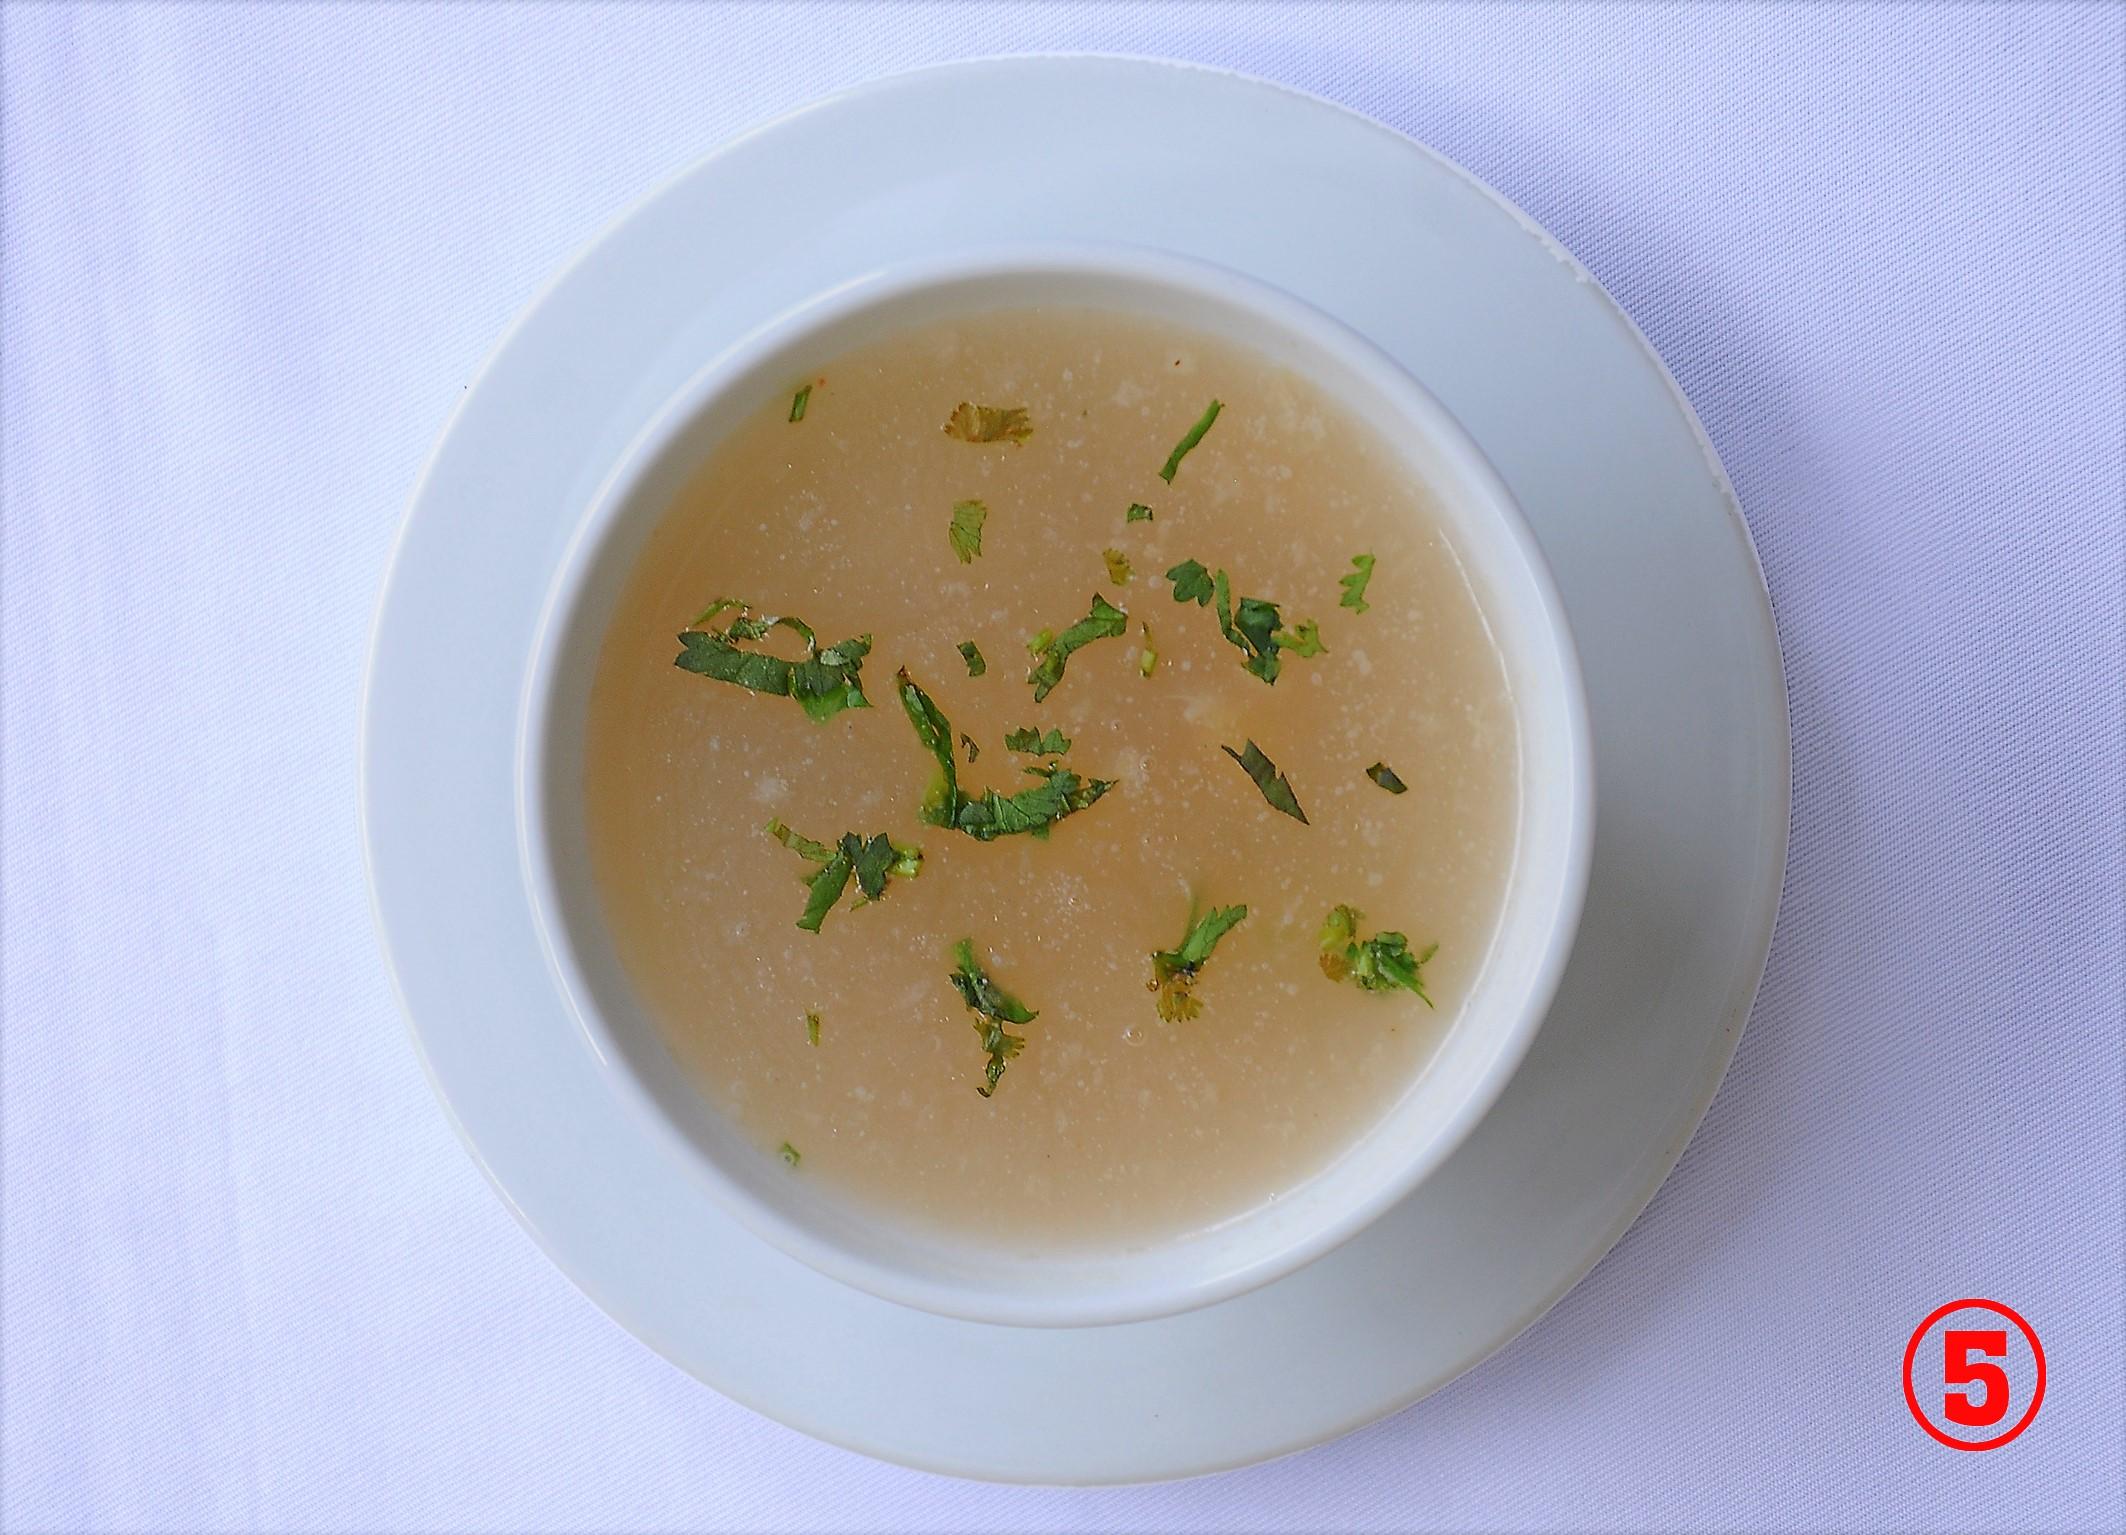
1112, 1124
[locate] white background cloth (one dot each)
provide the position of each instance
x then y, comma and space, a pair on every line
253, 255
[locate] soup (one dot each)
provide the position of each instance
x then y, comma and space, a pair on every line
1112, 629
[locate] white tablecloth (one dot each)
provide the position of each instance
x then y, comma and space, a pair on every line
251, 258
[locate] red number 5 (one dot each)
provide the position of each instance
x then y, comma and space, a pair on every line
1958, 1370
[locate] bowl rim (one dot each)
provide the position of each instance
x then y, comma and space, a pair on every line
1571, 776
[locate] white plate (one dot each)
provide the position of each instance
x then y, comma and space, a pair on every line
1658, 575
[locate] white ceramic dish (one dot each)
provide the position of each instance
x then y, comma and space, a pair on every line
1667, 608
968, 1277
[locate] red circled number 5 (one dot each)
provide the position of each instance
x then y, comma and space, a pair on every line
1958, 1369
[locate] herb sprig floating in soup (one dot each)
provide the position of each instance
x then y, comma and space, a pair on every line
824, 680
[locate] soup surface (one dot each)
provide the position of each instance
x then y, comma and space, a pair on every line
850, 1051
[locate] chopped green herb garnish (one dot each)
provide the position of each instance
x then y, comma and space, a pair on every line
1104, 622
1192, 583
805, 847
877, 858
870, 861
1275, 787
995, 1007
1251, 625
1193, 436
1147, 658
1380, 963
823, 890
989, 423
1174, 970
941, 800
1253, 628
1117, 566
790, 1154
1384, 775
1041, 641
972, 655
1061, 792
812, 1029
824, 682
967, 744
966, 529
1138, 512
1051, 743
1354, 584
1304, 639
799, 402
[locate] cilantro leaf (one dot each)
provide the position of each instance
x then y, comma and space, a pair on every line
716, 608
1174, 971
797, 843
1104, 622
983, 994
825, 682
824, 890
1275, 787
966, 529
1380, 963
1250, 625
1192, 583
1354, 584
989, 423
1052, 744
1304, 639
941, 799
1062, 792
798, 403
790, 1154
994, 1007
812, 1029
971, 653
967, 745
1189, 440
1384, 775
1138, 512
1337, 929
1003, 1047
1203, 936
1117, 562
870, 861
